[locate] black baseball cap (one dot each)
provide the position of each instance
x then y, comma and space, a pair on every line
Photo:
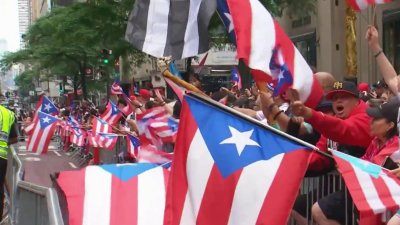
380, 84
343, 87
388, 110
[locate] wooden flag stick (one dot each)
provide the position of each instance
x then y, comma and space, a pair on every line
181, 82
374, 16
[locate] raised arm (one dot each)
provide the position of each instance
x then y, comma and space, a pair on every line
384, 65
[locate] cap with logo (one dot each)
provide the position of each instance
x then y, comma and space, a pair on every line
388, 110
345, 87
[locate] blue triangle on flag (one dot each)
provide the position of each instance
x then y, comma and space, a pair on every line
235, 142
48, 106
46, 120
127, 171
368, 167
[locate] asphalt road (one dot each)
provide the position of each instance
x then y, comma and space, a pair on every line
37, 168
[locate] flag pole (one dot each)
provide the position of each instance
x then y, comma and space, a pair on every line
260, 124
166, 73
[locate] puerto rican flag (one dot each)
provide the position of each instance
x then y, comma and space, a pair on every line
47, 106
164, 129
236, 78
101, 126
116, 89
143, 120
44, 128
373, 189
150, 154
112, 114
228, 170
269, 52
92, 141
102, 140
226, 17
132, 144
73, 121
359, 5
78, 137
115, 194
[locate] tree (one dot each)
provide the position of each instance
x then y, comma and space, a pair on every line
69, 39
75, 36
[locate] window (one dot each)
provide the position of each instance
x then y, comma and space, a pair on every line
391, 34
306, 45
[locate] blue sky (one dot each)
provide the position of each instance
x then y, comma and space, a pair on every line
9, 23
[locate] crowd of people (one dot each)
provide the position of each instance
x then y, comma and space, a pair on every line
357, 119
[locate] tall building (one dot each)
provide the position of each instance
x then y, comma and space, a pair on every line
3, 46
24, 17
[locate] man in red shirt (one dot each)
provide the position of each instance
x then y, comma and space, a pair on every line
347, 131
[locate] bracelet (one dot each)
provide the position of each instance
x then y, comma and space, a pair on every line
277, 114
377, 54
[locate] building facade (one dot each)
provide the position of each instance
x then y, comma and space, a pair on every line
24, 18
322, 40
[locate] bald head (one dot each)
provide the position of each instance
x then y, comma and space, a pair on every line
326, 80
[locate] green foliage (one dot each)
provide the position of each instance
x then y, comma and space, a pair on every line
68, 39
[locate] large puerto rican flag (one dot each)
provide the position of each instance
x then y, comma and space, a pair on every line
269, 52
231, 170
115, 194
373, 189
43, 130
359, 5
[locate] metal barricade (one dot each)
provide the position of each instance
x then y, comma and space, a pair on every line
29, 203
315, 188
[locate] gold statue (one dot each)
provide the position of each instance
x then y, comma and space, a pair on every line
351, 47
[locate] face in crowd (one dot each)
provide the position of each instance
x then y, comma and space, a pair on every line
343, 104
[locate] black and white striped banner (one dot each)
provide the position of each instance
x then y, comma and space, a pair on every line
177, 28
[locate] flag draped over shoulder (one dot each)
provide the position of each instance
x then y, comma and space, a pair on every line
363, 4
170, 27
115, 194
372, 189
268, 51
228, 170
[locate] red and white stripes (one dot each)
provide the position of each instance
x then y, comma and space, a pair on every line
258, 34
359, 5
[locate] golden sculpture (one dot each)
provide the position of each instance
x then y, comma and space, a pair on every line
351, 47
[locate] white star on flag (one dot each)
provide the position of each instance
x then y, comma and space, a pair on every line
47, 107
280, 76
229, 17
240, 139
46, 120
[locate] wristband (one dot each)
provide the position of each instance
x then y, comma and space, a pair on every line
377, 54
